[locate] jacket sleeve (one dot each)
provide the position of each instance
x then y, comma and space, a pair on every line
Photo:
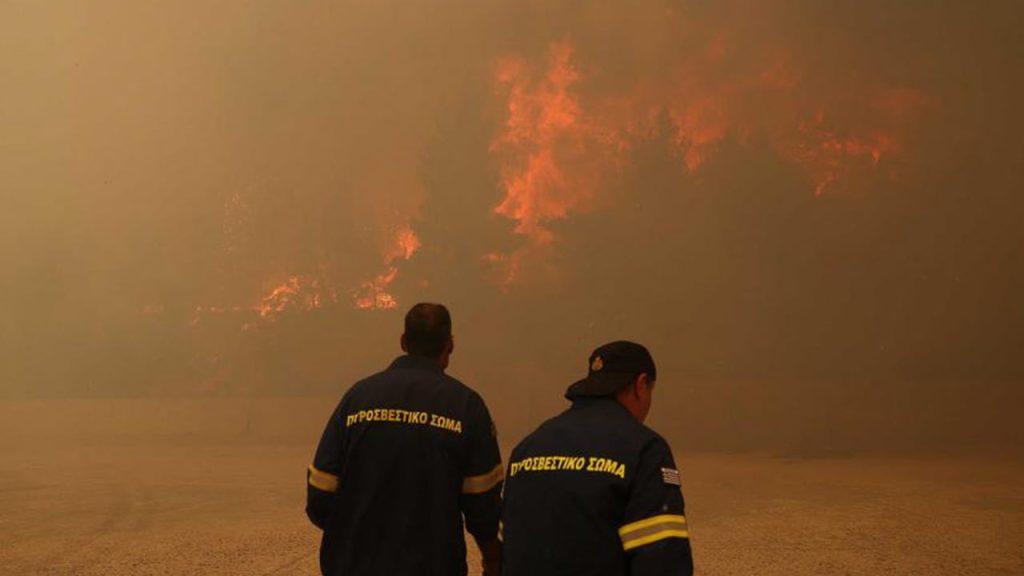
323, 474
654, 533
483, 475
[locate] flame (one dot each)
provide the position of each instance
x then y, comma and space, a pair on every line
553, 151
508, 267
373, 294
556, 155
305, 293
297, 292
699, 126
405, 246
829, 155
558, 149
707, 107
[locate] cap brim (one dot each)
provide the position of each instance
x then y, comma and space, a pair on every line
599, 384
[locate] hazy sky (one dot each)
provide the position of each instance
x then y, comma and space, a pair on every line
825, 194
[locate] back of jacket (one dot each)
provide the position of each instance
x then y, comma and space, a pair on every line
593, 492
406, 453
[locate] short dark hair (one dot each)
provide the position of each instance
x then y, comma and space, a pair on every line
428, 329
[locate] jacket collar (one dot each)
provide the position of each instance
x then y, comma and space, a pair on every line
409, 362
607, 404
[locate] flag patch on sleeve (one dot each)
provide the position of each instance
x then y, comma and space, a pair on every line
670, 476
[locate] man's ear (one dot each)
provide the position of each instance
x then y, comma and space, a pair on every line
635, 386
451, 345
641, 380
404, 347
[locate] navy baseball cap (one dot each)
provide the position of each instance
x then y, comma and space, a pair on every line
611, 367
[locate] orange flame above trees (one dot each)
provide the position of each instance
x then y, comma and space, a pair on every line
558, 148
553, 152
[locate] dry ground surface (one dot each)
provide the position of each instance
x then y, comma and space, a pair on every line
221, 506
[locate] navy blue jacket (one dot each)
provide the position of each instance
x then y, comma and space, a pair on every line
405, 455
594, 492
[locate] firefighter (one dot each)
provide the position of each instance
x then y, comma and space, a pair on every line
593, 491
406, 454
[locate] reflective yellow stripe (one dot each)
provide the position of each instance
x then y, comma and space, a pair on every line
322, 480
484, 482
653, 520
654, 538
501, 531
653, 529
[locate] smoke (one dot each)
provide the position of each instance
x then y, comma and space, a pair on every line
795, 205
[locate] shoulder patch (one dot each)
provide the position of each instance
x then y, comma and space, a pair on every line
670, 476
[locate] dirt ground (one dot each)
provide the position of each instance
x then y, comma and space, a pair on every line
190, 505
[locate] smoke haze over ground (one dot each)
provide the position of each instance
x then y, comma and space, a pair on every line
213, 216
810, 212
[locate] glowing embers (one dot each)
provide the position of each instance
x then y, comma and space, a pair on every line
374, 295
831, 154
296, 293
405, 245
829, 159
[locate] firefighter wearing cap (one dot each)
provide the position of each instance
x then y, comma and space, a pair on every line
406, 455
593, 491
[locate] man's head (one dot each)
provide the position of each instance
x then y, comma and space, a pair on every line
623, 370
428, 332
